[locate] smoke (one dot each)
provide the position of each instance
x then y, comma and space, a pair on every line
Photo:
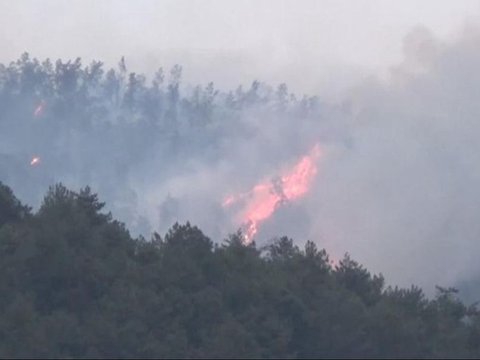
404, 197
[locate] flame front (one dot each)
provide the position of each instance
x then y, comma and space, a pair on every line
262, 201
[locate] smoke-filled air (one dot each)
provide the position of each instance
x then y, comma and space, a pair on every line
347, 126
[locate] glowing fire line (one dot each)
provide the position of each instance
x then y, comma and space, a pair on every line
262, 201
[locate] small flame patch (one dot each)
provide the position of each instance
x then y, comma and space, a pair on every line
39, 109
35, 161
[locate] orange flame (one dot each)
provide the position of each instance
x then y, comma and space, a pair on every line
266, 197
39, 109
35, 161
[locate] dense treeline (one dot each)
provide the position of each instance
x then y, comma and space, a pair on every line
74, 283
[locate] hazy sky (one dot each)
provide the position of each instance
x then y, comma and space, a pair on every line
230, 42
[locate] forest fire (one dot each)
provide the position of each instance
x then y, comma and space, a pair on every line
262, 201
35, 161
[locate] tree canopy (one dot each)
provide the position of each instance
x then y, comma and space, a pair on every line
74, 283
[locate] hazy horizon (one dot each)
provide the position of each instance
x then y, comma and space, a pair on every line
229, 42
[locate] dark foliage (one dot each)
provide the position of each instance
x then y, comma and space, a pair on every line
73, 283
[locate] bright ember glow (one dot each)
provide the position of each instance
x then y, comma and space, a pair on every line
35, 161
262, 201
39, 109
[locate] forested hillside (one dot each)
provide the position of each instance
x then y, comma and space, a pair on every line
118, 131
74, 283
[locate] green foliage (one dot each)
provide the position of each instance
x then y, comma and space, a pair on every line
73, 283
11, 210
